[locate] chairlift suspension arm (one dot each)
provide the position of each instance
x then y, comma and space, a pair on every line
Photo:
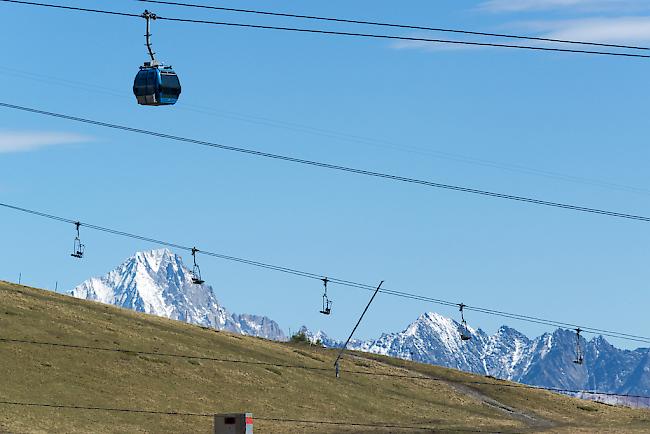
194, 252
148, 16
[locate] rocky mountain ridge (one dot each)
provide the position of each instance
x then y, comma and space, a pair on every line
545, 361
157, 282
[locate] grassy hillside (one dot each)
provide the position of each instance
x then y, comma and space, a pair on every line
47, 374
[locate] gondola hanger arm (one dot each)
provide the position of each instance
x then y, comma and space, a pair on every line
149, 16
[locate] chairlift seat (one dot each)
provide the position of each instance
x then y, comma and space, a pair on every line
78, 250
196, 270
327, 305
463, 331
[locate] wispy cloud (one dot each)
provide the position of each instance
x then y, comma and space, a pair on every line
431, 46
24, 141
621, 30
632, 30
582, 5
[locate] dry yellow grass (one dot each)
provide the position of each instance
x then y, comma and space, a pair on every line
48, 374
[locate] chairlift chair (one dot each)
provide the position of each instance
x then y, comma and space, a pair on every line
327, 303
78, 250
196, 276
579, 355
327, 306
196, 270
464, 331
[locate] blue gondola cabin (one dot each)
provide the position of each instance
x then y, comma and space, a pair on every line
156, 85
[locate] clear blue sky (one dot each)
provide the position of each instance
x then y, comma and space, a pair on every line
458, 116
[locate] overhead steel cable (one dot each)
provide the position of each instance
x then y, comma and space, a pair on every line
324, 369
405, 38
492, 312
348, 283
111, 409
377, 425
342, 282
261, 419
337, 135
73, 8
162, 242
330, 166
61, 345
519, 317
393, 25
338, 33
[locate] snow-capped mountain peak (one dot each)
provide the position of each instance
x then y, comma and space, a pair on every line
157, 282
153, 259
441, 325
140, 283
545, 361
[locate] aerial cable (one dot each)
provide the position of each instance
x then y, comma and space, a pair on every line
342, 282
265, 419
336, 167
324, 369
211, 415
393, 25
259, 120
335, 33
73, 8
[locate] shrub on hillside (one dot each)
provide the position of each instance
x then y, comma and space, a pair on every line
299, 338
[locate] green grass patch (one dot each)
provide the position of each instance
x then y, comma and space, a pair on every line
130, 379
